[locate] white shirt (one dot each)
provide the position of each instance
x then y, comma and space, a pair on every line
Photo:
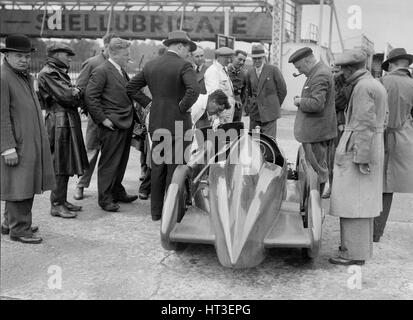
116, 66
216, 77
259, 70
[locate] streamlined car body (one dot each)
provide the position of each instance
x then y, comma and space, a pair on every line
236, 196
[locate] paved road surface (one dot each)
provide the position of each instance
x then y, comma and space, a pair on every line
118, 256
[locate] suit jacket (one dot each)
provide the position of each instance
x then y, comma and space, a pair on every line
266, 93
316, 119
87, 68
174, 89
106, 96
200, 77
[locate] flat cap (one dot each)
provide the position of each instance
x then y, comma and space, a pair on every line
59, 46
300, 54
351, 57
224, 51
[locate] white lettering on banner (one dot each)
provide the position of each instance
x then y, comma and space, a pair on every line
354, 22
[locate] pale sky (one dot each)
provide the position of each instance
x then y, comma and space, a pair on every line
382, 21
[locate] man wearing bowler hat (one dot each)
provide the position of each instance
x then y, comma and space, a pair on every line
61, 100
315, 122
398, 137
217, 77
26, 163
266, 92
174, 88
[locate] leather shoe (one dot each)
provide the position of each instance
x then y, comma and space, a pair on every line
376, 238
156, 218
143, 196
345, 262
78, 193
62, 211
31, 240
6, 230
111, 207
72, 207
126, 198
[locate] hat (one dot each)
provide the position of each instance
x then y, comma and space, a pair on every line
395, 54
18, 43
224, 51
257, 51
179, 37
300, 54
59, 47
351, 57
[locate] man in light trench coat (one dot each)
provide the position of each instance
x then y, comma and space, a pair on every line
25, 163
398, 137
358, 164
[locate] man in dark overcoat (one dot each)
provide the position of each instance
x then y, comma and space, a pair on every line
61, 101
26, 164
92, 143
111, 108
172, 82
315, 123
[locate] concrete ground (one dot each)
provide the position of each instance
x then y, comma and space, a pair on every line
104, 255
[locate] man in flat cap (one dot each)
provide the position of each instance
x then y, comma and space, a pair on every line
266, 92
92, 142
358, 165
61, 100
172, 82
25, 162
315, 122
217, 77
398, 137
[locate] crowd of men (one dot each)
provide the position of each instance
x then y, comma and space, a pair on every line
356, 131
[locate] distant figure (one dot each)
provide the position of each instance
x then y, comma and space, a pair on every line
92, 142
26, 163
217, 77
238, 76
61, 100
266, 92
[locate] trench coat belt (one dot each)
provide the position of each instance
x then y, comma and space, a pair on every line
377, 129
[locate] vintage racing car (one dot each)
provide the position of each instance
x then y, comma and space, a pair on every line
236, 196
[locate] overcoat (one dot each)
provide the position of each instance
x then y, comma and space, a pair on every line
266, 93
398, 160
22, 127
356, 195
316, 119
62, 119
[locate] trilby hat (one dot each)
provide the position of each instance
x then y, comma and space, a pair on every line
257, 51
178, 36
395, 54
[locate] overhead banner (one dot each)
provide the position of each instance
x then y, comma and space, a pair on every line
134, 24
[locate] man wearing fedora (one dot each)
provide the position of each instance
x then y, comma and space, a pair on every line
26, 163
217, 77
315, 122
172, 82
266, 92
359, 159
398, 137
61, 100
